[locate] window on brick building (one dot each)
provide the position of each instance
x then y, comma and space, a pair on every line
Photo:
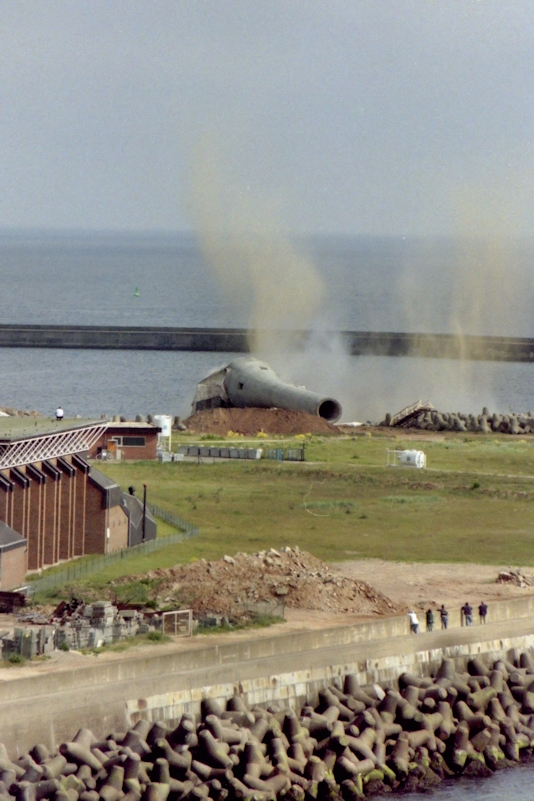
133, 442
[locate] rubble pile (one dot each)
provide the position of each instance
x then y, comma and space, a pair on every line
294, 576
516, 577
251, 422
356, 742
485, 423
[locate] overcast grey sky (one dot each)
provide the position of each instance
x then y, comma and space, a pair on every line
354, 116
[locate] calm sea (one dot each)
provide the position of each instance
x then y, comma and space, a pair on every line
508, 785
375, 284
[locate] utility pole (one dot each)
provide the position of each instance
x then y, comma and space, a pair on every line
144, 512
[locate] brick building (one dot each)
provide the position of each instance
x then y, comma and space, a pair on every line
127, 440
12, 558
59, 505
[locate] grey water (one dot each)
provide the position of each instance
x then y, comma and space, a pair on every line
509, 785
163, 280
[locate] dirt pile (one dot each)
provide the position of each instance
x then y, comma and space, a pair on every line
233, 585
250, 422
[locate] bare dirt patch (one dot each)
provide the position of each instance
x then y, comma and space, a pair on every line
420, 585
251, 422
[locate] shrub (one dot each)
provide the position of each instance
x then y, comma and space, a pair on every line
64, 646
15, 659
155, 636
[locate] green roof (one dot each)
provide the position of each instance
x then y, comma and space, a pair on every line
17, 428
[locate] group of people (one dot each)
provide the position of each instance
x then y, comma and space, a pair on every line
466, 615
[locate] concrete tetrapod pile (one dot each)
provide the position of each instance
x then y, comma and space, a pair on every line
484, 423
358, 741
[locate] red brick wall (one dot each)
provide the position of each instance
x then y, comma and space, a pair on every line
51, 520
146, 452
80, 516
20, 516
12, 568
6, 505
62, 518
67, 515
37, 513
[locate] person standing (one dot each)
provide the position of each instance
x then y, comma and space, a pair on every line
444, 615
414, 622
482, 612
59, 413
467, 612
429, 620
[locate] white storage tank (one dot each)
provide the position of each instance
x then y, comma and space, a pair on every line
164, 421
412, 458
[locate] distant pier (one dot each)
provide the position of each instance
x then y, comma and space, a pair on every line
237, 340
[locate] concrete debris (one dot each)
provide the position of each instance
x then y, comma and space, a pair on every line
231, 584
516, 577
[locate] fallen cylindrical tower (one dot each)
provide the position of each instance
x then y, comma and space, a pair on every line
248, 382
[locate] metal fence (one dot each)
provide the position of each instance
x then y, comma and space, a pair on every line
78, 568
173, 520
178, 623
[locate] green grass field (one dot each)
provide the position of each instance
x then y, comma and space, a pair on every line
474, 503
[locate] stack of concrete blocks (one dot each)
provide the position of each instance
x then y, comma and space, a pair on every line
102, 616
76, 634
29, 642
133, 623
99, 625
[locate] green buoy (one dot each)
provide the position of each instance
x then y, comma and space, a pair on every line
136, 292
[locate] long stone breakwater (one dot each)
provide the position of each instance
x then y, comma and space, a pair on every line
357, 741
238, 340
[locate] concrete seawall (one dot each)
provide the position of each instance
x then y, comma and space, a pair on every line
236, 340
287, 669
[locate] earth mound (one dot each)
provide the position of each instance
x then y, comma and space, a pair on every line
232, 585
252, 421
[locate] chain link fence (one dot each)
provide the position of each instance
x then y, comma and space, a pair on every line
77, 569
